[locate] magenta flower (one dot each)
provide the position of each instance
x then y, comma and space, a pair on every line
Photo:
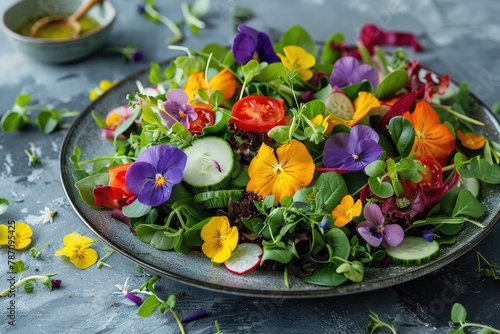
352, 151
250, 43
375, 232
347, 71
178, 109
153, 174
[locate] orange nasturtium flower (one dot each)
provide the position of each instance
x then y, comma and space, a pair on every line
346, 210
220, 239
470, 140
297, 58
17, 235
363, 104
223, 81
280, 173
78, 250
431, 137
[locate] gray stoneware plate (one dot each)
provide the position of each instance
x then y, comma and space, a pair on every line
196, 269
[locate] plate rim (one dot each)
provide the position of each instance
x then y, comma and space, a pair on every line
321, 292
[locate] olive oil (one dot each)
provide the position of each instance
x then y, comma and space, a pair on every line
59, 30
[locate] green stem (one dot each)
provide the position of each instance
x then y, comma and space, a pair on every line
459, 115
167, 22
24, 280
190, 18
70, 113
471, 324
179, 323
101, 262
180, 48
85, 162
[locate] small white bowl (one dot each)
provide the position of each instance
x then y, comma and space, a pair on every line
57, 51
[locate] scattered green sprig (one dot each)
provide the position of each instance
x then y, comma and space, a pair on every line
47, 118
33, 158
459, 315
101, 262
37, 252
19, 267
490, 270
375, 324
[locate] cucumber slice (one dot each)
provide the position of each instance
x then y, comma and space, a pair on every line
471, 184
217, 198
340, 105
413, 251
209, 163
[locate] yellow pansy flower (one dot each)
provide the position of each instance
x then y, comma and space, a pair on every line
346, 210
17, 235
104, 86
223, 81
220, 239
78, 250
280, 173
322, 120
297, 58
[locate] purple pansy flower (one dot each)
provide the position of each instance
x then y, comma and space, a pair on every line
153, 174
178, 109
249, 43
375, 232
347, 71
352, 151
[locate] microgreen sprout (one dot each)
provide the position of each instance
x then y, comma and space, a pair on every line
459, 315
33, 158
149, 11
101, 262
4, 205
19, 267
47, 120
217, 327
490, 270
152, 302
36, 252
375, 324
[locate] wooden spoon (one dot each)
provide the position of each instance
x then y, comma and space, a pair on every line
70, 21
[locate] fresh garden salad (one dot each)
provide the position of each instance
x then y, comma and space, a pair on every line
316, 161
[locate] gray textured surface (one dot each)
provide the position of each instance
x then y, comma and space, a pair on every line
462, 40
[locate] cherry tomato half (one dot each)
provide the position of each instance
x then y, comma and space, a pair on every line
205, 118
258, 113
434, 175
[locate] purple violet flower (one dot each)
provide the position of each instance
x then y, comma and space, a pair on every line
195, 316
130, 296
178, 109
347, 71
250, 43
56, 283
375, 232
352, 151
153, 174
428, 235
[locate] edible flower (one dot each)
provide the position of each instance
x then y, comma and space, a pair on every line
375, 232
20, 231
220, 239
223, 81
348, 71
116, 194
115, 118
297, 58
130, 53
361, 107
77, 248
103, 87
432, 138
124, 290
352, 151
346, 210
282, 172
470, 140
178, 109
250, 44
152, 176
47, 215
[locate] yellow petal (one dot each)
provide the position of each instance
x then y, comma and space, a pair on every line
194, 82
223, 254
232, 238
210, 248
362, 106
4, 234
215, 227
60, 251
23, 230
87, 258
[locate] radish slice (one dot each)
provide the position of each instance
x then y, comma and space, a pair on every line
246, 257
